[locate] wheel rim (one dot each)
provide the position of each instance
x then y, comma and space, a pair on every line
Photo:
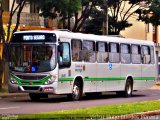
75, 92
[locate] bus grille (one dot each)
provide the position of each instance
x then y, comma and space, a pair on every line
30, 87
30, 77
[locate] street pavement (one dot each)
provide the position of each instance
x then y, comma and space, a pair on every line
18, 104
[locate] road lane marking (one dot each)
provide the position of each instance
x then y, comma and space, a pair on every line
9, 108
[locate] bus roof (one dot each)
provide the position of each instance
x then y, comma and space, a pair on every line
82, 36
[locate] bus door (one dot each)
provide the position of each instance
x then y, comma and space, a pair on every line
64, 58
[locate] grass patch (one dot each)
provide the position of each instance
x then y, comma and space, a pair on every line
98, 112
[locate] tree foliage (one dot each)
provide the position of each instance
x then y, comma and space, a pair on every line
15, 9
152, 14
59, 8
77, 9
118, 14
94, 23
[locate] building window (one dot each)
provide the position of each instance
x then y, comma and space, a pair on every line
34, 6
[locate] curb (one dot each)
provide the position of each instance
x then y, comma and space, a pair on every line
11, 95
135, 116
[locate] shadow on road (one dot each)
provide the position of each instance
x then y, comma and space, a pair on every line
64, 98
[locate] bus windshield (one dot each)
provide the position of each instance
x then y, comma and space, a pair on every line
32, 58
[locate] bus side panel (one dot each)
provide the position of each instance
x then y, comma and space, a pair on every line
109, 77
64, 81
148, 76
90, 75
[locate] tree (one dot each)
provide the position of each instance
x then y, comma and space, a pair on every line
119, 13
61, 8
15, 9
151, 15
79, 9
94, 23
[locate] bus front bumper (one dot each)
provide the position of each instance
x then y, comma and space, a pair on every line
15, 88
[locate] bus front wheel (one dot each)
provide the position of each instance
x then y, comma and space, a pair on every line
34, 96
37, 96
76, 91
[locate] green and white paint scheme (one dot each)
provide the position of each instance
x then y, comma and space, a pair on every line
76, 78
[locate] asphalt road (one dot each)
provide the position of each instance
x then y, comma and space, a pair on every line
23, 105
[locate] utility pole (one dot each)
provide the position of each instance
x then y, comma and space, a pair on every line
1, 63
0, 20
105, 24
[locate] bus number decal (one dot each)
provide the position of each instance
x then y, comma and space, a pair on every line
110, 66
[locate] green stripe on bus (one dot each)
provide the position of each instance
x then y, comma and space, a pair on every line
99, 79
65, 79
108, 79
144, 78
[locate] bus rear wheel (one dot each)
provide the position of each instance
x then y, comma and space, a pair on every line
128, 89
76, 91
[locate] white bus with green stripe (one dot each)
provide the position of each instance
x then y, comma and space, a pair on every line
62, 62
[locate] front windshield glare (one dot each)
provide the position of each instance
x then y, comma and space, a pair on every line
29, 58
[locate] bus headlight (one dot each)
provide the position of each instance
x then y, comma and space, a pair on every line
50, 80
13, 81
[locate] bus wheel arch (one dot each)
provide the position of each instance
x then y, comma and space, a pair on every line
77, 88
128, 88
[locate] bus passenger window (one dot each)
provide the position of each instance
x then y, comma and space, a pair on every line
152, 55
76, 46
102, 54
125, 54
89, 54
114, 53
146, 57
136, 54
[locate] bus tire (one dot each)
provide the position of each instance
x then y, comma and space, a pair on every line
34, 96
128, 88
76, 91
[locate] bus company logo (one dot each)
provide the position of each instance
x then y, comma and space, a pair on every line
30, 83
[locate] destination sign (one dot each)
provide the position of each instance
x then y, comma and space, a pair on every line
33, 37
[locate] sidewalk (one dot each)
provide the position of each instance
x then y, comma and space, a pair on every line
4, 93
8, 95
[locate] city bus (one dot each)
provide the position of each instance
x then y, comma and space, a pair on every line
77, 64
